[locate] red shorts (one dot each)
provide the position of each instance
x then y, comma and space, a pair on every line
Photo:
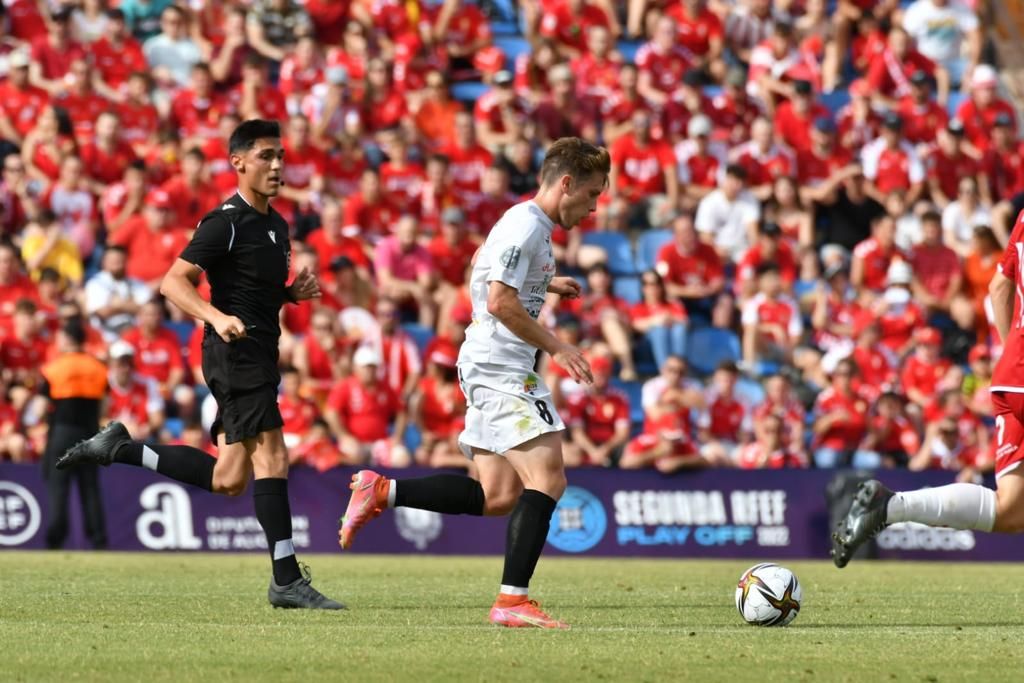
1009, 411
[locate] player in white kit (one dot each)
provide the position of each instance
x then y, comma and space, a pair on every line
512, 427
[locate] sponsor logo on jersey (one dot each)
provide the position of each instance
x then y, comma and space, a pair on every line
579, 522
227, 206
510, 257
531, 383
273, 236
20, 515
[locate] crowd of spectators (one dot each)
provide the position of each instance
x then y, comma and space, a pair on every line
789, 267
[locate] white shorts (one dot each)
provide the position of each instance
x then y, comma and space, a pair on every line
506, 407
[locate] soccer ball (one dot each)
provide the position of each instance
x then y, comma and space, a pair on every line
768, 595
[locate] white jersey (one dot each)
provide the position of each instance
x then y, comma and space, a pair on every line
518, 253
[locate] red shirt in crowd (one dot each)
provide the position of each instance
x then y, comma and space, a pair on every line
130, 403
725, 417
782, 313
935, 267
327, 250
106, 167
666, 69
198, 116
764, 168
366, 220
297, 414
83, 110
402, 185
442, 409
979, 122
874, 365
845, 434
16, 354
450, 261
895, 435
922, 376
921, 122
949, 170
150, 254
876, 262
599, 415
22, 106
750, 457
466, 167
813, 168
784, 258
695, 33
640, 166
139, 123
794, 128
364, 411
155, 357
487, 110
703, 265
560, 24
53, 63
117, 62
890, 76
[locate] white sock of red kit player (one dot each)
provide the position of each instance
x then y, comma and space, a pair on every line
959, 506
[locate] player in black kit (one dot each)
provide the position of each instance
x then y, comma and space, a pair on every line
243, 248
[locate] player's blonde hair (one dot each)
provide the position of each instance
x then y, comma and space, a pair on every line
576, 158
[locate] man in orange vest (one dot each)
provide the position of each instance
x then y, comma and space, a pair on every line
75, 384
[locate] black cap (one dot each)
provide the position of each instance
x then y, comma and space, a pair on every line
770, 229
1003, 119
825, 124
892, 121
955, 126
342, 263
693, 78
919, 77
802, 87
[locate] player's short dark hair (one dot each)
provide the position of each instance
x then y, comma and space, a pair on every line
248, 132
439, 158
26, 306
736, 171
137, 165
74, 329
115, 248
767, 267
729, 367
195, 152
931, 216
46, 217
254, 60
576, 158
49, 274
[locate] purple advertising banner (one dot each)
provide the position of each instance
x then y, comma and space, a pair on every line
724, 514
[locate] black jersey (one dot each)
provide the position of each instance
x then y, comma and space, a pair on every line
246, 255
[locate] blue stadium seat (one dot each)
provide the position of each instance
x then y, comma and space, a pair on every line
835, 100
420, 334
634, 392
183, 330
413, 438
956, 98
707, 347
620, 251
643, 357
507, 10
647, 248
712, 91
751, 391
504, 28
628, 49
512, 46
174, 427
468, 91
627, 287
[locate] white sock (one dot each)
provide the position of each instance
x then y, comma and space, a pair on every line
392, 489
959, 506
514, 590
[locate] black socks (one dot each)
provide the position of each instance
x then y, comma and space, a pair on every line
275, 516
180, 463
527, 532
450, 494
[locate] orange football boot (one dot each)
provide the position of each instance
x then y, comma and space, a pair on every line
369, 498
518, 611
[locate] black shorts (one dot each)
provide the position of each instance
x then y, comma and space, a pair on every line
243, 379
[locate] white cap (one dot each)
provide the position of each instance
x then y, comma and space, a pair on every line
366, 355
984, 76
899, 273
699, 125
121, 349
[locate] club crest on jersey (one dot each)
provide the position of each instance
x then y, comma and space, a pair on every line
510, 257
531, 383
273, 236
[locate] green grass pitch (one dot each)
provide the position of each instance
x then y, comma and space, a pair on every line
141, 617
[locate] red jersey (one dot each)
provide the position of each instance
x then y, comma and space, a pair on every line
197, 116
875, 366
695, 33
876, 262
854, 133
949, 170
486, 110
191, 204
813, 168
794, 128
53, 63
139, 123
596, 79
921, 123
402, 185
117, 62
764, 167
155, 357
642, 311
466, 167
560, 24
368, 220
22, 106
848, 433
130, 403
784, 258
150, 254
83, 110
895, 435
484, 210
297, 414
270, 103
725, 417
666, 69
26, 22
364, 411
782, 313
106, 167
703, 265
640, 166
934, 267
342, 174
978, 122
750, 457
890, 76
599, 415
1005, 170
296, 80
401, 359
327, 251
1009, 371
16, 354
924, 377
450, 261
442, 408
